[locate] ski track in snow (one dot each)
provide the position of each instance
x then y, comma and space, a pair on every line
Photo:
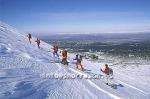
22, 66
95, 86
132, 87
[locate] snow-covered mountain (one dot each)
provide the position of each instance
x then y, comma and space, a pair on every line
25, 70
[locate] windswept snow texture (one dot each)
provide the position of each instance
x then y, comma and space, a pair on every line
22, 65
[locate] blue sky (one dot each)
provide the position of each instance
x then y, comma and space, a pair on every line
77, 16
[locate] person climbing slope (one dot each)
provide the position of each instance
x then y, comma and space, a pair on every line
78, 62
108, 72
29, 37
64, 57
38, 42
55, 51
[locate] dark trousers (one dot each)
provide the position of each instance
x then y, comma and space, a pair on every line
64, 61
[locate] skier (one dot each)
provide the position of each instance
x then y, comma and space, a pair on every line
109, 72
55, 52
78, 62
38, 42
64, 57
29, 37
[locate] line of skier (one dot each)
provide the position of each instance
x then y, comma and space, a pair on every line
106, 70
64, 53
37, 40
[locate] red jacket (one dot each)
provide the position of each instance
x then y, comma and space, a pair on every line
106, 71
55, 49
64, 53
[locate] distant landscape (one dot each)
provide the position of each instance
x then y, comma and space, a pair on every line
133, 44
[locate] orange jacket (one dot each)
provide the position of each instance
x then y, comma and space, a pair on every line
64, 53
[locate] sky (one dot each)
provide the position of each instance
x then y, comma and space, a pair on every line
77, 16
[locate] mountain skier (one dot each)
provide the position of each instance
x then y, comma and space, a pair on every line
109, 72
38, 42
29, 37
78, 62
55, 51
64, 57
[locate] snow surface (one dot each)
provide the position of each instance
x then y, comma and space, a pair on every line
24, 69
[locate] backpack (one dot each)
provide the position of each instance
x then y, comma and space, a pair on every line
81, 57
78, 57
110, 71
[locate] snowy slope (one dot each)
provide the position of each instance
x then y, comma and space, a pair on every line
23, 67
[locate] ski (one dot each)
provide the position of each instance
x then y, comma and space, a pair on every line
114, 86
